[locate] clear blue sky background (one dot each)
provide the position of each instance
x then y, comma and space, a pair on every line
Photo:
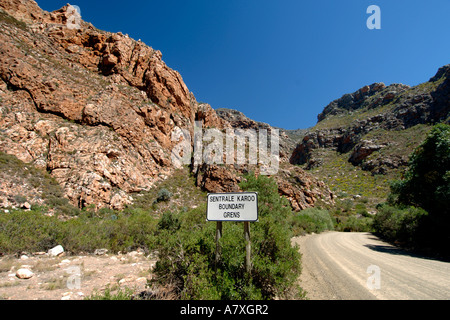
281, 62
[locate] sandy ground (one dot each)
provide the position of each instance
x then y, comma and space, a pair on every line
73, 277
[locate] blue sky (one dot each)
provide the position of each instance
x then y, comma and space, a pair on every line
281, 62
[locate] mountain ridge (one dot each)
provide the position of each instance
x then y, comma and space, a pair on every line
369, 134
97, 111
377, 106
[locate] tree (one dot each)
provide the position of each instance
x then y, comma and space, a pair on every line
426, 182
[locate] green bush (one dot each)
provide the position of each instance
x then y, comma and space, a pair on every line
399, 224
169, 221
311, 220
426, 184
33, 231
110, 294
27, 231
163, 195
187, 255
355, 224
347, 205
362, 210
427, 180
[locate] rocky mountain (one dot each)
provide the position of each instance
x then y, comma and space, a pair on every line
95, 111
373, 130
345, 122
288, 138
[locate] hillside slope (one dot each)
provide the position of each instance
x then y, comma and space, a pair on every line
363, 139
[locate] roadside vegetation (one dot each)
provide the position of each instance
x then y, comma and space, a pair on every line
417, 212
184, 240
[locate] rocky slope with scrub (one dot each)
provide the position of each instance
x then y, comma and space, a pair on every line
363, 139
95, 110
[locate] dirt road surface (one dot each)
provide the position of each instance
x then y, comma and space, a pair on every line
355, 266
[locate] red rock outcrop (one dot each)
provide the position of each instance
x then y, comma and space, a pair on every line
95, 109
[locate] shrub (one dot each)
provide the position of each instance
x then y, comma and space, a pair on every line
6, 18
33, 231
399, 224
163, 195
361, 210
20, 199
355, 224
347, 205
427, 180
187, 255
111, 294
169, 221
52, 192
311, 220
426, 184
27, 231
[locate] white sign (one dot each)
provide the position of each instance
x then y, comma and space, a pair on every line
239, 206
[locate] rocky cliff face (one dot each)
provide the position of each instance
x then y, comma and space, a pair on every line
344, 124
288, 138
95, 109
362, 98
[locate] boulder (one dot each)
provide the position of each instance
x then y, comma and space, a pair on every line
26, 206
363, 150
56, 251
24, 273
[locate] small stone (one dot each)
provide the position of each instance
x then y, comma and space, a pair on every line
24, 257
26, 206
100, 252
24, 273
132, 254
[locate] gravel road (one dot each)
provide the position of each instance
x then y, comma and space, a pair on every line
354, 266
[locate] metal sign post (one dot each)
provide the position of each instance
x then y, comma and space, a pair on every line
239, 207
218, 249
248, 247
